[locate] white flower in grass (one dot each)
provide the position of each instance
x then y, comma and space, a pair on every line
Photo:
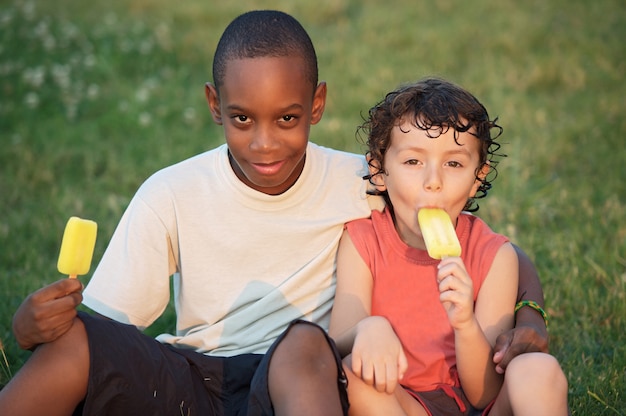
28, 10
49, 43
6, 17
163, 36
145, 47
34, 77
126, 45
31, 100
71, 111
142, 94
41, 30
110, 19
61, 75
189, 114
7, 68
145, 119
69, 30
93, 90
89, 61
151, 83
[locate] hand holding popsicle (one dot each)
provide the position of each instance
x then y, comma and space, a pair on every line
79, 240
455, 286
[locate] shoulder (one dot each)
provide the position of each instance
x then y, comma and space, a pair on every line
364, 226
476, 230
201, 162
480, 244
367, 234
335, 158
359, 227
187, 172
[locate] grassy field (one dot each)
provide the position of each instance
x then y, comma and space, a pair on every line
95, 96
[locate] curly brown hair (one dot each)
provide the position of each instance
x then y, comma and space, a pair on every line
433, 104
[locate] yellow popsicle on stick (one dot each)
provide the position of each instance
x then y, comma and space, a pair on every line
79, 240
438, 232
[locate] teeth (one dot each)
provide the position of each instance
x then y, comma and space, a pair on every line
438, 232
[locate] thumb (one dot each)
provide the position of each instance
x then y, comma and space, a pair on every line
64, 287
53, 291
403, 365
503, 342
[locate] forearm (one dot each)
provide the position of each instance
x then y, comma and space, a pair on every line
529, 289
529, 285
479, 379
344, 341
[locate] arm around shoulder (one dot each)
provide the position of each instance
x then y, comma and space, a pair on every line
530, 333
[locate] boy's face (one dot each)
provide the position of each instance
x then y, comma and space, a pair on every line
422, 171
267, 106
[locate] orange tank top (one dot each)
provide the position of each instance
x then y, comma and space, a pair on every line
405, 291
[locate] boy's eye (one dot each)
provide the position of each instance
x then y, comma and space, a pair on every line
287, 118
241, 118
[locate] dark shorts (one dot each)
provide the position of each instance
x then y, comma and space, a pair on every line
133, 374
447, 401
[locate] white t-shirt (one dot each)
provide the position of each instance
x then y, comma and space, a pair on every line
244, 263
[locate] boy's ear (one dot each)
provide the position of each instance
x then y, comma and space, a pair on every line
377, 176
319, 103
482, 174
213, 100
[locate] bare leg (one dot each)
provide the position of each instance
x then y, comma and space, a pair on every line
366, 400
534, 384
303, 374
54, 380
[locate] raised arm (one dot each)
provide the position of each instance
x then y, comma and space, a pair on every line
530, 333
493, 315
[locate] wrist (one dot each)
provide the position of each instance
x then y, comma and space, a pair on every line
528, 306
370, 321
469, 326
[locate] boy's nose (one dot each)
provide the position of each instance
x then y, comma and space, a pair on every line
263, 140
432, 180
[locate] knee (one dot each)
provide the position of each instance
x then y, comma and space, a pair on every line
539, 369
304, 349
305, 337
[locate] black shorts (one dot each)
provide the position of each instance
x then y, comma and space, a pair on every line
133, 374
447, 401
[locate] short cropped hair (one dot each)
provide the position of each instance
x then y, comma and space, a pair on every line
264, 33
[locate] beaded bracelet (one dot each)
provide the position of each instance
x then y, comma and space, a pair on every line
534, 305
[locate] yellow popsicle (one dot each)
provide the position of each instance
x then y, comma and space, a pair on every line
438, 232
79, 240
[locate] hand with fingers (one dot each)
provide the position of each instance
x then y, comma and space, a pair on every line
377, 355
456, 291
47, 313
519, 340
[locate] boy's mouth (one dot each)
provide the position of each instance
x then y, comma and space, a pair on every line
268, 169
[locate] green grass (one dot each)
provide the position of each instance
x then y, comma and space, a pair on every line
97, 96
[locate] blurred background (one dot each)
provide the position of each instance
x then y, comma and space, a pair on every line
96, 96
